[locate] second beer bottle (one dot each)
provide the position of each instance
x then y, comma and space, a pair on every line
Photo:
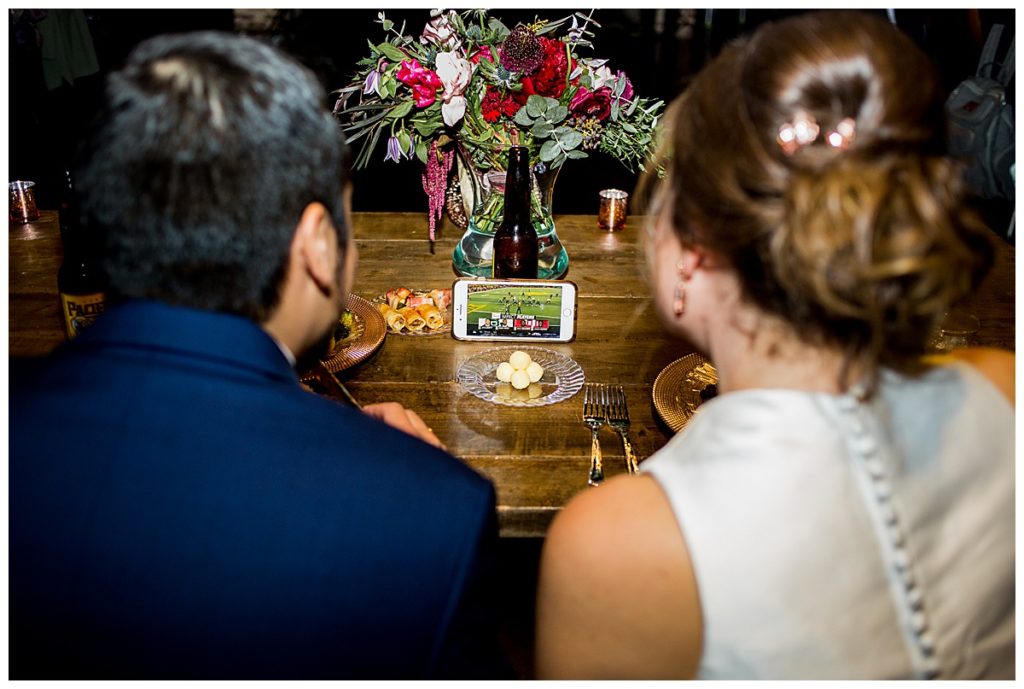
515, 242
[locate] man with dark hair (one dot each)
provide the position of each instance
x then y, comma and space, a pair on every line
179, 506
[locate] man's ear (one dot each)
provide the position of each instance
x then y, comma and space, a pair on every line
315, 247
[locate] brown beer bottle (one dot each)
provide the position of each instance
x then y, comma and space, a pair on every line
515, 242
80, 280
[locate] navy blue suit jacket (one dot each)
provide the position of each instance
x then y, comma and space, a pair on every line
181, 508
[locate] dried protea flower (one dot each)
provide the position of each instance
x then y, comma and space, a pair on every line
591, 130
522, 51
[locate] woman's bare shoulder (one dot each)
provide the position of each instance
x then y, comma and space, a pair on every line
617, 596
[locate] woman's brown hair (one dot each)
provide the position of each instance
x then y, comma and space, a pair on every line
862, 247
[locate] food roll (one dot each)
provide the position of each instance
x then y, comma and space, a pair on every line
432, 315
413, 320
394, 319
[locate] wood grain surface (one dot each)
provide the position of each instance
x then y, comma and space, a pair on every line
537, 457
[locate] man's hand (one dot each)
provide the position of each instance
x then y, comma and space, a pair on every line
397, 416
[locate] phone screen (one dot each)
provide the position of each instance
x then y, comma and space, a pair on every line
528, 311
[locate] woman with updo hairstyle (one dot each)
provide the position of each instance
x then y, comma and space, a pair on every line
844, 507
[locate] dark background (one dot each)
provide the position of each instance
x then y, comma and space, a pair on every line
660, 50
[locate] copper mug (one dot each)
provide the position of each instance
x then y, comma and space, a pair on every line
23, 202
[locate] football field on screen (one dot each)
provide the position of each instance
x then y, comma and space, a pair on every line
533, 302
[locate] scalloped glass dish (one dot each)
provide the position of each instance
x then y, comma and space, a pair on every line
562, 378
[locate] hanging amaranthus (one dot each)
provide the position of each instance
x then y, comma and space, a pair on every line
435, 182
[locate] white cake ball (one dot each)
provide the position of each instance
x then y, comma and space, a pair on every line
519, 360
520, 380
504, 372
535, 371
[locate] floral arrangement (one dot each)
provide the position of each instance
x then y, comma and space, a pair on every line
468, 87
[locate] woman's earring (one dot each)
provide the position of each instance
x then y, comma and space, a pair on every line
679, 302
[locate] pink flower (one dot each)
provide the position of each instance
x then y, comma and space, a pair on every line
455, 73
424, 83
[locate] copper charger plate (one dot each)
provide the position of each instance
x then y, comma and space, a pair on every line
677, 389
364, 338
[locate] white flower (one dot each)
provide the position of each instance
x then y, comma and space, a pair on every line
454, 72
440, 31
602, 76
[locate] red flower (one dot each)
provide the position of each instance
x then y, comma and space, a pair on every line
495, 104
490, 106
588, 103
424, 83
481, 54
509, 107
549, 79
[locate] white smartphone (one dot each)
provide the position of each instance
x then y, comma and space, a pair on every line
513, 310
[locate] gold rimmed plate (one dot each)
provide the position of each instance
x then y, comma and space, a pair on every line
365, 336
677, 389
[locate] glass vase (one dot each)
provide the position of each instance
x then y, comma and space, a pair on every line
484, 192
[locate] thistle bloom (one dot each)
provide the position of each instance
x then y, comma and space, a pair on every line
455, 73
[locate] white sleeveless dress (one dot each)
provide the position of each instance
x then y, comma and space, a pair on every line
833, 538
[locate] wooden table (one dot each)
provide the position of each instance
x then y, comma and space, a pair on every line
538, 458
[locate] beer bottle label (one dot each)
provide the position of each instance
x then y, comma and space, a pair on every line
80, 310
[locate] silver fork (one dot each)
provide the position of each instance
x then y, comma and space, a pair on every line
594, 419
617, 414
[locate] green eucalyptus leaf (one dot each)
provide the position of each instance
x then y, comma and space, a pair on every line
549, 151
523, 118
575, 155
541, 130
571, 140
557, 113
615, 110
632, 107
559, 160
627, 127
387, 24
562, 132
536, 106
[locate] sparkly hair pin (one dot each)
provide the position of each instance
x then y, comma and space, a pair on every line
804, 130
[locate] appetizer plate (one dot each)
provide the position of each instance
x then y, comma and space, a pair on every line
424, 332
365, 336
562, 377
677, 389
